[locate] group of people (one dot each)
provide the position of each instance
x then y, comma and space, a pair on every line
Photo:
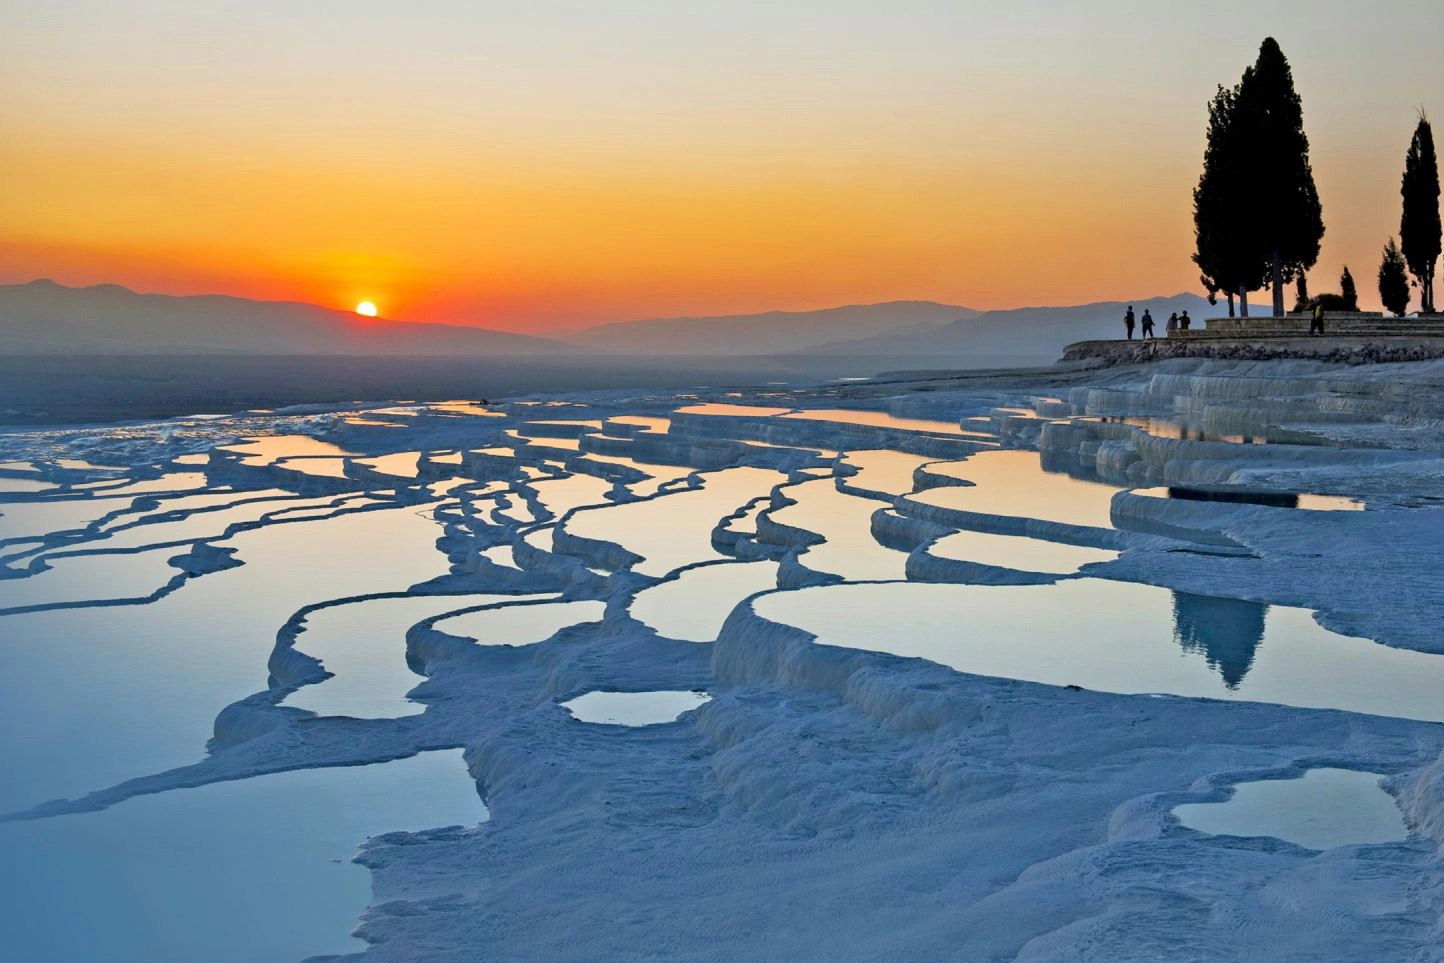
1177, 321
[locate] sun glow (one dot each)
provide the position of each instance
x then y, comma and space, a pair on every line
366, 308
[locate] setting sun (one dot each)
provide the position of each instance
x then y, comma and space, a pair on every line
366, 308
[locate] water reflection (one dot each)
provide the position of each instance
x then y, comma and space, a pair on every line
234, 872
675, 529
1179, 429
1326, 808
1120, 637
1226, 632
1018, 552
693, 606
1009, 483
1305, 500
883, 419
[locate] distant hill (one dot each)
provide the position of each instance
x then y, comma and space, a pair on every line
43, 317
773, 332
1036, 332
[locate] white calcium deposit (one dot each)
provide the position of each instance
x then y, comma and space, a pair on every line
944, 657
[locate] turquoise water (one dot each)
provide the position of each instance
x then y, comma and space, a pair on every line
254, 871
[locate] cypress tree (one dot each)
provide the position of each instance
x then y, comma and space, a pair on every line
1348, 292
1226, 249
1301, 295
1393, 280
1419, 227
1279, 179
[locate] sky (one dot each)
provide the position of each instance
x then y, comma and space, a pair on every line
549, 165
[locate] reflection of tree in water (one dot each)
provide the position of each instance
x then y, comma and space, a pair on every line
1226, 632
1062, 461
1273, 499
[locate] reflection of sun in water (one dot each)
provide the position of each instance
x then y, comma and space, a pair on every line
366, 308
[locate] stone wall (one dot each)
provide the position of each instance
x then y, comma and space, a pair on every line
1335, 349
1369, 324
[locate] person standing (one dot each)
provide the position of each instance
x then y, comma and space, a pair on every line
1172, 325
1128, 322
1183, 321
1147, 324
1316, 323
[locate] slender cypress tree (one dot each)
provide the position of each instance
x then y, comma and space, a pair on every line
1301, 294
1278, 176
1394, 280
1226, 250
1347, 291
1419, 228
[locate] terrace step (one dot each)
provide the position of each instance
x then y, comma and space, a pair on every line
1339, 324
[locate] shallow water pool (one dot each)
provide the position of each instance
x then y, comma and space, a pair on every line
1122, 637
633, 708
1323, 809
1019, 552
1013, 483
693, 606
253, 871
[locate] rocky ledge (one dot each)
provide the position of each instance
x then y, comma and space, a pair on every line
1335, 349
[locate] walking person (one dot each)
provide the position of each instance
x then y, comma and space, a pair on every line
1128, 322
1172, 325
1316, 323
1147, 324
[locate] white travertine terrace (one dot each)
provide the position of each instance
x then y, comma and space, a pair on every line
957, 682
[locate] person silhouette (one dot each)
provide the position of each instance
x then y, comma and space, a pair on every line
1172, 322
1183, 321
1128, 322
1316, 323
1147, 324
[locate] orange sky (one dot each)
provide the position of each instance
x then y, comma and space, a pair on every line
577, 163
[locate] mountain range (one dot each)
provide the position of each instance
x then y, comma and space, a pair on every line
1020, 331
43, 317
771, 332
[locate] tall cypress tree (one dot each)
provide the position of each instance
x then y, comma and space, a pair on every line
1226, 250
1279, 179
1393, 280
1419, 228
1347, 291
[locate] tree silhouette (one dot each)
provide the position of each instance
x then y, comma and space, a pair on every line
1394, 280
1279, 180
1226, 632
1347, 291
1301, 295
1226, 250
1419, 227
